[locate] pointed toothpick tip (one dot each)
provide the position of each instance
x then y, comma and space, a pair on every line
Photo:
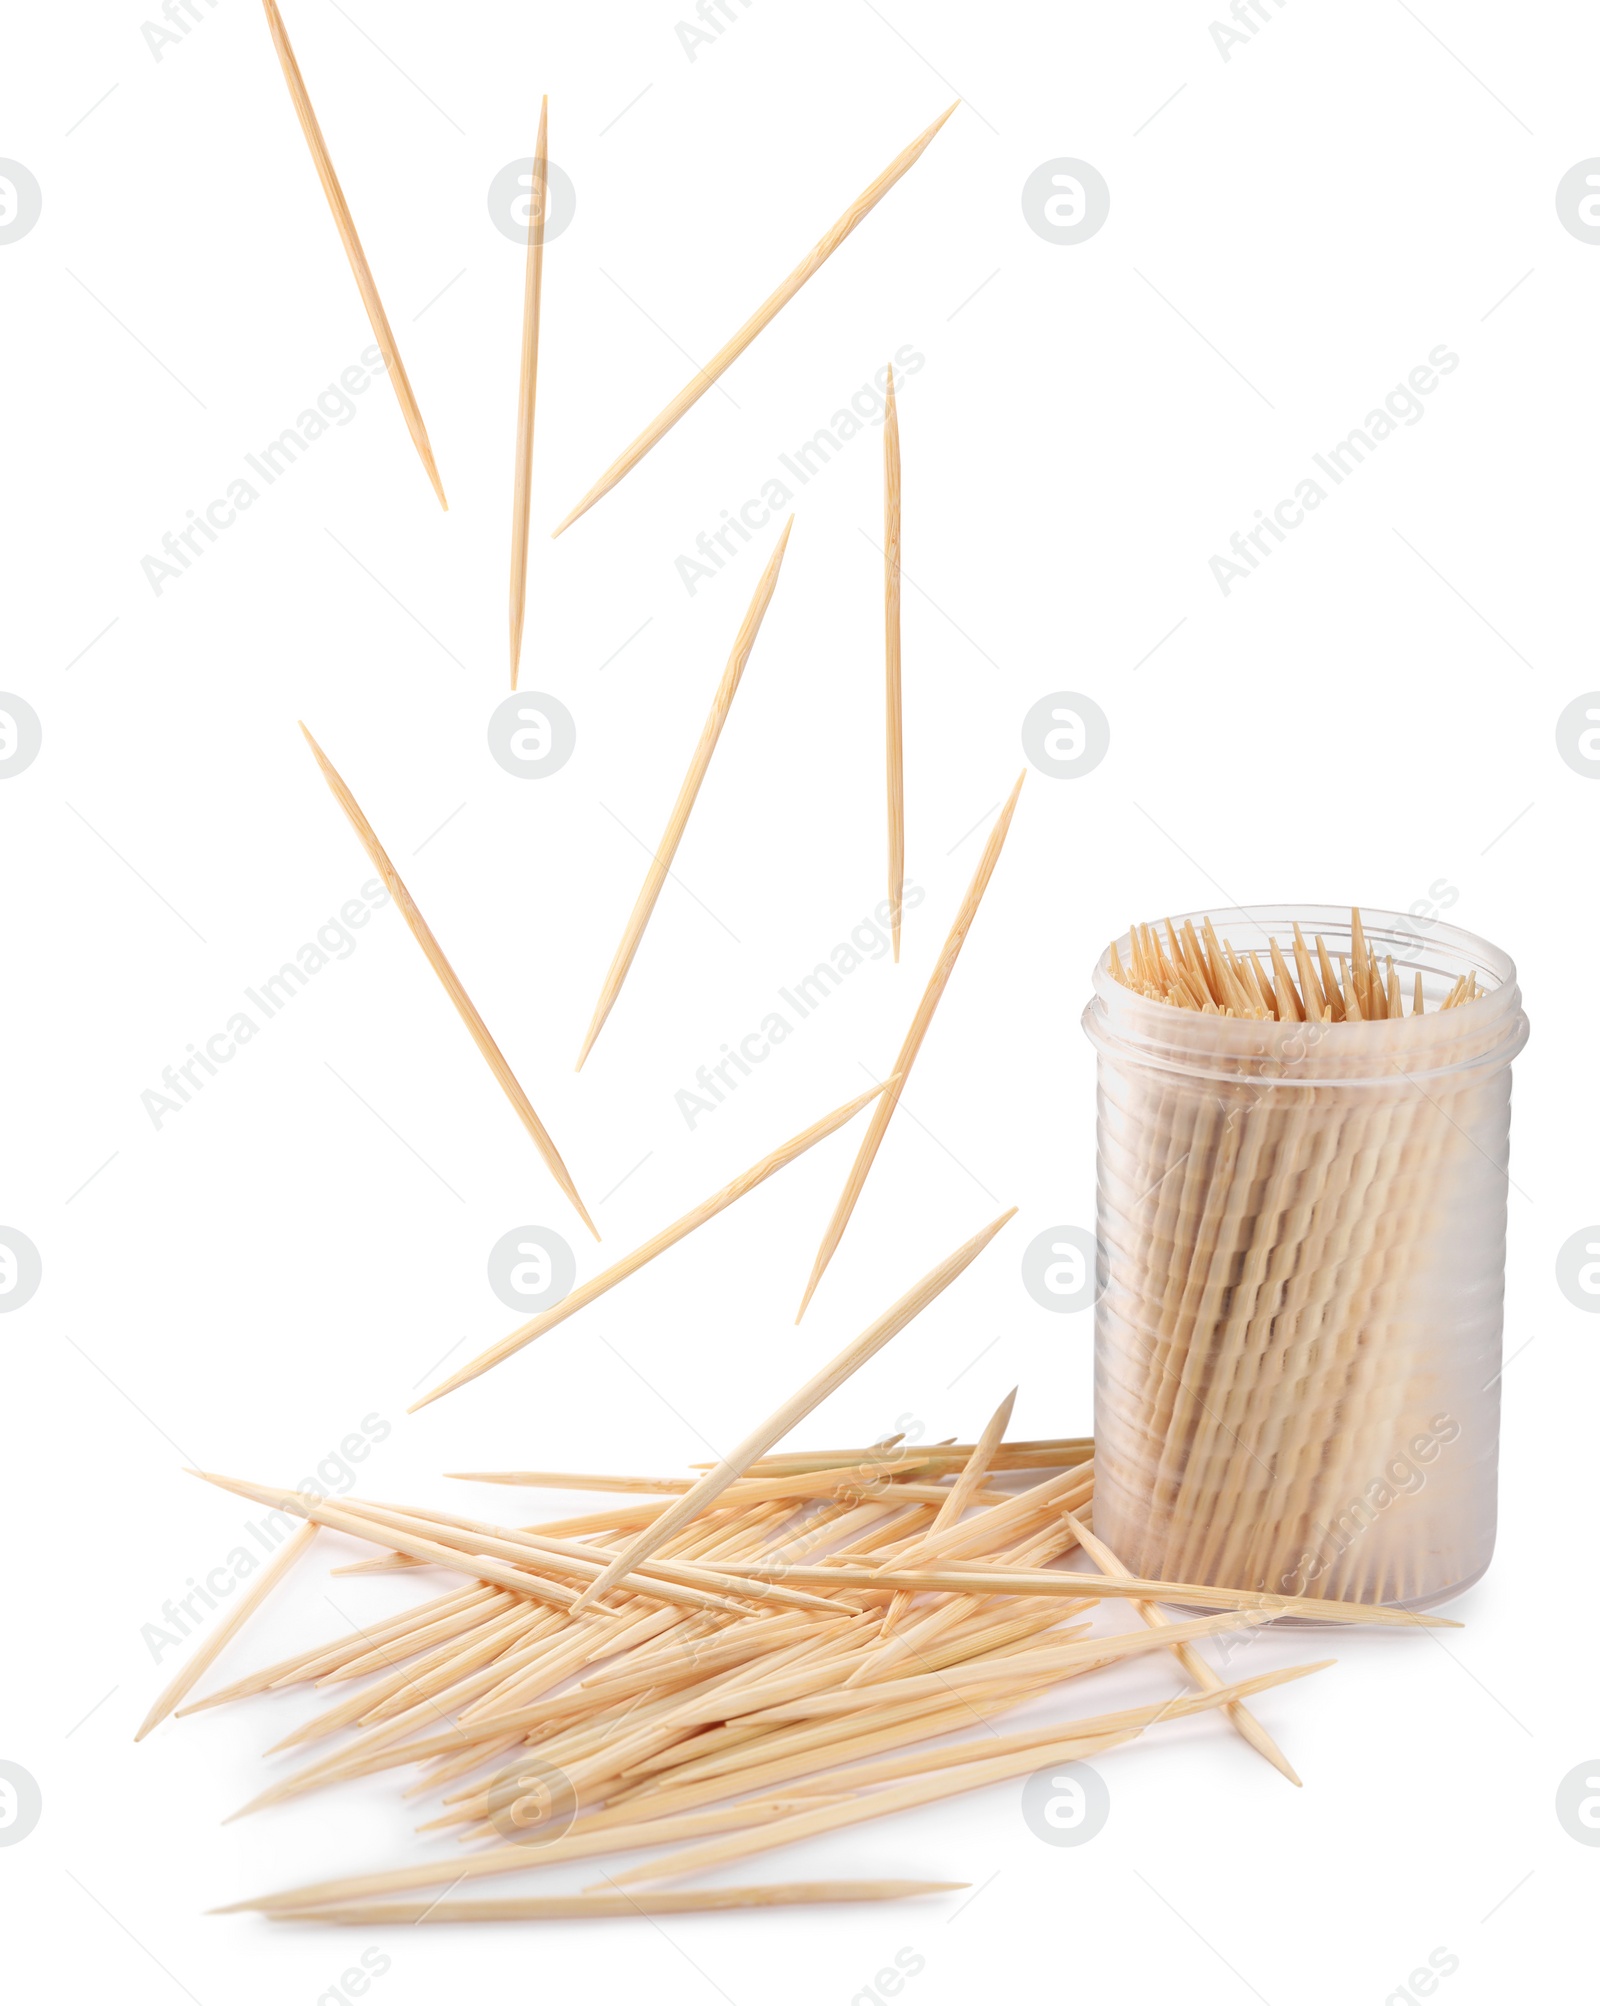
927, 134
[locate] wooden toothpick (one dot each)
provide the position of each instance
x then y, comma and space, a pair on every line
467, 1009
891, 643
527, 383
1199, 1669
320, 1512
730, 352
241, 1612
795, 1408
598, 1905
980, 1580
937, 981
624, 1826
352, 246
1053, 1454
677, 822
806, 1824
708, 1208
952, 1506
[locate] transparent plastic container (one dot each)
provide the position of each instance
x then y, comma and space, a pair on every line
1301, 1276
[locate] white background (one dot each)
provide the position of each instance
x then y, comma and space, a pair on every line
1369, 714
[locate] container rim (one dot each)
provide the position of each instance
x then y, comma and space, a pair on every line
1393, 1053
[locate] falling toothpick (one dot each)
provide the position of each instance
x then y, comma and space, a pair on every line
345, 223
678, 821
527, 384
895, 749
730, 352
467, 1009
912, 1045
597, 1285
795, 1408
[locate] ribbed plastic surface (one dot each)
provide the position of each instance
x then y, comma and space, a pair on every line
1302, 1252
